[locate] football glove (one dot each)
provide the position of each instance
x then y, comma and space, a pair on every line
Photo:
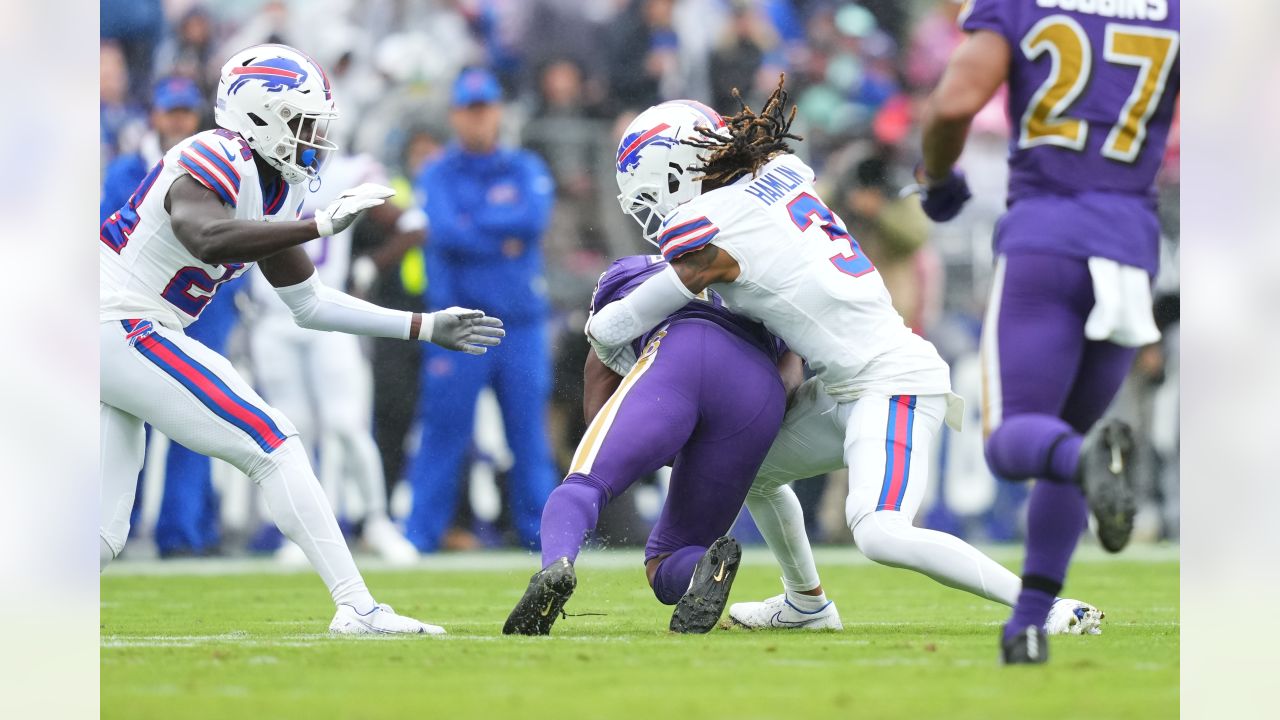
341, 213
470, 331
943, 199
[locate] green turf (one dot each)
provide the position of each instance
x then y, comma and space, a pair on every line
252, 646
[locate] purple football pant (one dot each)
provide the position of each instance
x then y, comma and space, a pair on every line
699, 398
1044, 386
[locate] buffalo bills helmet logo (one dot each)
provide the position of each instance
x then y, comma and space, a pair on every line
276, 73
629, 149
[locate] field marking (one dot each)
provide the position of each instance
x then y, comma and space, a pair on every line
516, 560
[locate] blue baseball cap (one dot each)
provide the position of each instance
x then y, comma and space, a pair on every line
176, 91
476, 86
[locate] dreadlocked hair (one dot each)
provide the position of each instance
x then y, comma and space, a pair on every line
748, 140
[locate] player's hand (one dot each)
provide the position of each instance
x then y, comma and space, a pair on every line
341, 213
470, 331
943, 199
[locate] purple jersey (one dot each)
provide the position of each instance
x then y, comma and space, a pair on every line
1093, 85
626, 274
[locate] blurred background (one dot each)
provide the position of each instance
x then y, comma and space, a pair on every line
505, 115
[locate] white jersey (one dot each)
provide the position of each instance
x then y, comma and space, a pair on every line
145, 272
806, 279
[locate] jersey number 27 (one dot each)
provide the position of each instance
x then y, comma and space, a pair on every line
805, 208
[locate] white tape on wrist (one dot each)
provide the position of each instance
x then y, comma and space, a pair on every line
428, 325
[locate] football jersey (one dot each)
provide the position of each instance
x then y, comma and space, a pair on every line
332, 254
1093, 87
145, 272
626, 274
806, 279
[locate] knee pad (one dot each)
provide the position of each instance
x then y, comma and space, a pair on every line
874, 536
111, 543
264, 463
991, 448
592, 482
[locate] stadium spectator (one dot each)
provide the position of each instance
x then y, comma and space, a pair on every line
488, 207
136, 26
122, 120
189, 50
744, 58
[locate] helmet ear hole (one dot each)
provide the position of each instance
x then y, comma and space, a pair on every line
673, 178
257, 120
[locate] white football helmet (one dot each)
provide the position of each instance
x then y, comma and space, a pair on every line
655, 169
279, 100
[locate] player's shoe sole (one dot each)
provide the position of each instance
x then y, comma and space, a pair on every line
1107, 481
549, 589
701, 606
1029, 646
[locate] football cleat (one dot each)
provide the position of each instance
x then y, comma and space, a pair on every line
381, 535
549, 589
381, 620
778, 612
1106, 478
700, 608
1072, 617
1029, 646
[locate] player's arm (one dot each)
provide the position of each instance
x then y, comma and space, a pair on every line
598, 385
624, 320
975, 72
208, 228
791, 370
317, 306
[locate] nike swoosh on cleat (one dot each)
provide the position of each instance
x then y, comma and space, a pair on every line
719, 573
777, 621
547, 610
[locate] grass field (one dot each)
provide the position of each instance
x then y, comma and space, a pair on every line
239, 640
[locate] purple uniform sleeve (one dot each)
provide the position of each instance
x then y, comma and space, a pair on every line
994, 15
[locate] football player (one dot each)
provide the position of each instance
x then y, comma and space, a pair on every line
732, 209
1092, 91
702, 393
216, 203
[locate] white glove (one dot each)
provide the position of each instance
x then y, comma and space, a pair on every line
341, 213
470, 331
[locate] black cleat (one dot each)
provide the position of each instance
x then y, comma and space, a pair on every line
1030, 646
1105, 476
543, 601
700, 608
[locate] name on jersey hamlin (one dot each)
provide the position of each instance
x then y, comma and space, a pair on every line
775, 184
1126, 9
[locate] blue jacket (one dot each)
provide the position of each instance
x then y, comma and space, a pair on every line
475, 204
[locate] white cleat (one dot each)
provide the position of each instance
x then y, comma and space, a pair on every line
382, 536
382, 620
1072, 617
778, 612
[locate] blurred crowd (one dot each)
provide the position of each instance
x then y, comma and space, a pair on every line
567, 76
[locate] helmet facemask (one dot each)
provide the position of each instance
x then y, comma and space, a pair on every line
302, 151
649, 204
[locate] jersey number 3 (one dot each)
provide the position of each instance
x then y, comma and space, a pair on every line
805, 208
1151, 50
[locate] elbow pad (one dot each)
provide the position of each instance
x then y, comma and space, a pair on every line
624, 320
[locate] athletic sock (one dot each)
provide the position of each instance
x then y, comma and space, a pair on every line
675, 573
1033, 445
778, 515
807, 603
1056, 516
301, 511
572, 511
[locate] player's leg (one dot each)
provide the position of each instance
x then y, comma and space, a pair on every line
188, 519
639, 429
810, 443
692, 564
195, 397
447, 405
888, 445
342, 388
522, 383
1033, 347
122, 444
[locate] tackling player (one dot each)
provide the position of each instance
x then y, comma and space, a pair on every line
1092, 90
196, 222
701, 393
731, 207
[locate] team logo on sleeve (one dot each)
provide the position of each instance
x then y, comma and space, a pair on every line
276, 73
631, 145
